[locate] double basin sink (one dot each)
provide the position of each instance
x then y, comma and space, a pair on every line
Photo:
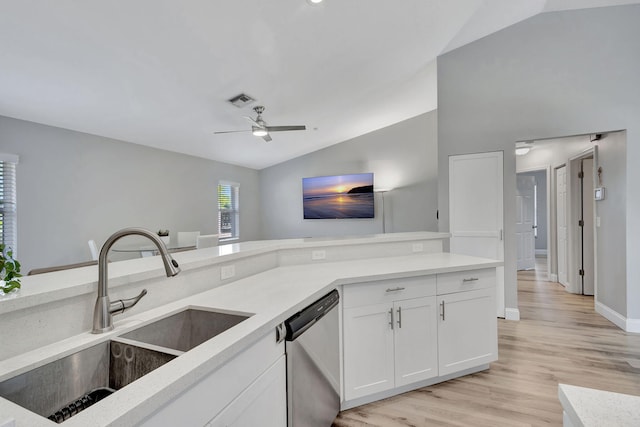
66, 386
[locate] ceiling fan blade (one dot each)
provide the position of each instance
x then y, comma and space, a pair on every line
230, 131
285, 128
253, 122
267, 137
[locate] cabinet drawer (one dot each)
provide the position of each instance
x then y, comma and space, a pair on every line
459, 281
367, 293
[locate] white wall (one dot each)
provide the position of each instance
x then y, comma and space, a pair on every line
562, 73
73, 187
403, 157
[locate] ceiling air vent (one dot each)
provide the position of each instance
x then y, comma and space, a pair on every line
241, 100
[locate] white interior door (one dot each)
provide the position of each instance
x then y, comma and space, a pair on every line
561, 223
476, 210
525, 212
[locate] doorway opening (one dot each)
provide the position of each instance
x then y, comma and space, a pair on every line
551, 203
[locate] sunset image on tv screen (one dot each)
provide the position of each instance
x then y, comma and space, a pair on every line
340, 196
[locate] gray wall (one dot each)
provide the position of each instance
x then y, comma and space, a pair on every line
556, 74
403, 157
611, 236
73, 187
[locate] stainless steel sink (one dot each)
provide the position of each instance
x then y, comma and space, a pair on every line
186, 329
64, 387
69, 385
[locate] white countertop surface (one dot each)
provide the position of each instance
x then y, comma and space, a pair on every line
69, 283
272, 296
588, 407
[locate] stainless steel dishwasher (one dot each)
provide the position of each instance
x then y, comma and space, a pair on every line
313, 364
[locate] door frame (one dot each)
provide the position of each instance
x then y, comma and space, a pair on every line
573, 207
550, 251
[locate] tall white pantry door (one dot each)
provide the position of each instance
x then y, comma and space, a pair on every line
476, 210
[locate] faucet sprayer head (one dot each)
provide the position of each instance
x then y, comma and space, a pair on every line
170, 265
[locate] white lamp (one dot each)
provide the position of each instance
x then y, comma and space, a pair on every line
384, 230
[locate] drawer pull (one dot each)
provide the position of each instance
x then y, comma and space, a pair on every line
471, 279
398, 288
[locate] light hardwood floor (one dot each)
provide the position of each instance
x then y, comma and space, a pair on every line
559, 339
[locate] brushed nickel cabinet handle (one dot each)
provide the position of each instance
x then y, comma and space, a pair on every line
399, 317
397, 288
471, 279
442, 310
391, 314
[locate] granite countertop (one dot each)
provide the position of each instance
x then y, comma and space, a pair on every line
272, 296
588, 407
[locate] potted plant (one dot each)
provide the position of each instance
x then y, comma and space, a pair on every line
9, 270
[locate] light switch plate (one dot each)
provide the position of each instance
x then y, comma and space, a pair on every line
227, 272
319, 254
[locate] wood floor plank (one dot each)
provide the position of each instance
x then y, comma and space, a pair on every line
559, 339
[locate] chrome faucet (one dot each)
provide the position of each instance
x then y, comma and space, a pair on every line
105, 309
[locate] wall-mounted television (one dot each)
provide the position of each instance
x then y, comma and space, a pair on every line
338, 196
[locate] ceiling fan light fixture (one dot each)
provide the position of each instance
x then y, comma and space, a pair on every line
257, 131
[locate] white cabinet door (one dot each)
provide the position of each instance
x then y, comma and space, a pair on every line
467, 330
368, 350
525, 223
416, 335
263, 403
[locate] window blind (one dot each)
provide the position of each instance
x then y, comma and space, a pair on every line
228, 211
8, 216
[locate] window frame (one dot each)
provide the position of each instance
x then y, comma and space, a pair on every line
234, 211
8, 202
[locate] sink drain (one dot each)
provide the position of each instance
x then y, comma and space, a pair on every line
80, 404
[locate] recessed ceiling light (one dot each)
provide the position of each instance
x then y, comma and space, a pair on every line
314, 2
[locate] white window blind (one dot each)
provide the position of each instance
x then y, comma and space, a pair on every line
8, 216
228, 211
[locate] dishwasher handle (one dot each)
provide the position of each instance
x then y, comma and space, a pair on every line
297, 324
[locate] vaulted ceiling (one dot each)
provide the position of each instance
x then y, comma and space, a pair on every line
160, 72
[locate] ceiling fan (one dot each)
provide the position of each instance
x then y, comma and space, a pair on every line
260, 128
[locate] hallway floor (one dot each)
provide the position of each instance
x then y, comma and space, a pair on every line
559, 339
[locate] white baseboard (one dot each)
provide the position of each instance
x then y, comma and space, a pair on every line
541, 252
511, 314
627, 325
633, 325
553, 278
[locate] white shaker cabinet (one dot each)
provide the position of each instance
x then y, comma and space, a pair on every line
263, 403
416, 356
388, 341
467, 324
250, 386
368, 350
466, 332
403, 334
